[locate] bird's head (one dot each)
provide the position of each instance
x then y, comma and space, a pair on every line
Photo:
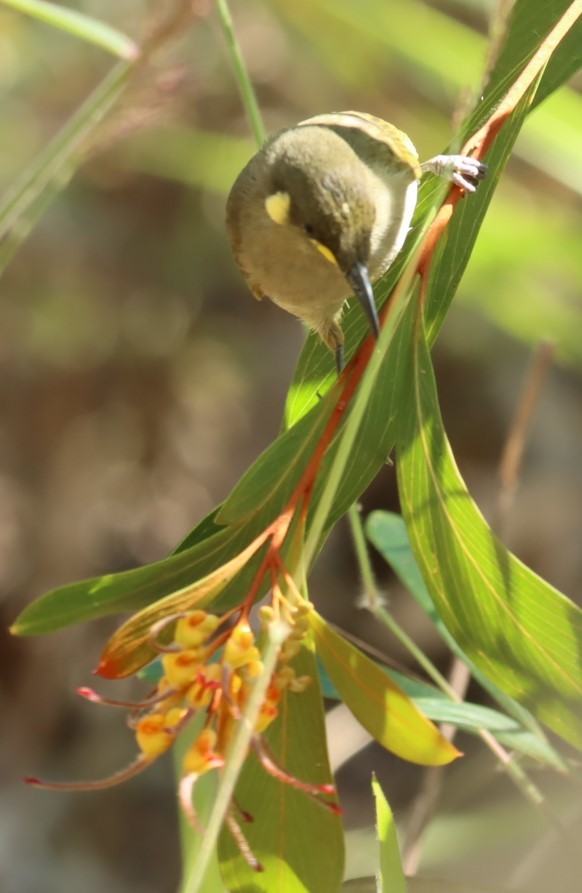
319, 186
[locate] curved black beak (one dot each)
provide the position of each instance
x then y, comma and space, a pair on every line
360, 282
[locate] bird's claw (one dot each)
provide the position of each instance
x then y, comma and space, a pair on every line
464, 171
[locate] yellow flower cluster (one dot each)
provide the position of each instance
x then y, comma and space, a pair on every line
212, 670
209, 671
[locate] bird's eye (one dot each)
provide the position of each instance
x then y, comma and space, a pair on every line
309, 230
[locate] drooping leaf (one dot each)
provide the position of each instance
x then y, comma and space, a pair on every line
380, 705
520, 631
387, 531
134, 589
467, 716
288, 828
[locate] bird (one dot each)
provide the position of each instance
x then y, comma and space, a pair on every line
322, 210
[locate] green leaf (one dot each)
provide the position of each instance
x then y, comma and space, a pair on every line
468, 717
298, 841
377, 702
522, 40
388, 534
391, 873
515, 627
453, 256
130, 648
134, 589
529, 24
272, 478
78, 24
472, 718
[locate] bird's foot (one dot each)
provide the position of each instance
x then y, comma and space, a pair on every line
462, 170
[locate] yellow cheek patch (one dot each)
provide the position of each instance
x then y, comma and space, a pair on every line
278, 207
329, 255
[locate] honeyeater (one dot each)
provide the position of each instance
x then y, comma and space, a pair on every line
322, 210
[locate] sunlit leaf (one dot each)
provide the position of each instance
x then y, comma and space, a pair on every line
528, 25
378, 703
468, 717
134, 589
388, 533
519, 630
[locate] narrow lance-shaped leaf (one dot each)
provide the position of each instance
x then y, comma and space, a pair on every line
468, 717
387, 531
380, 705
298, 841
207, 548
520, 631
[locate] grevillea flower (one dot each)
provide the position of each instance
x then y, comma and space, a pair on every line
208, 670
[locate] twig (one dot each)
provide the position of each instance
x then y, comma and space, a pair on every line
512, 455
498, 27
428, 796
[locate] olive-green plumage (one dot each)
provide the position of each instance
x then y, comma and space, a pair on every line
322, 208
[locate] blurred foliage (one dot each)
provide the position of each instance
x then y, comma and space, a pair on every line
139, 379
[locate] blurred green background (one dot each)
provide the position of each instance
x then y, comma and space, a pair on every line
138, 380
